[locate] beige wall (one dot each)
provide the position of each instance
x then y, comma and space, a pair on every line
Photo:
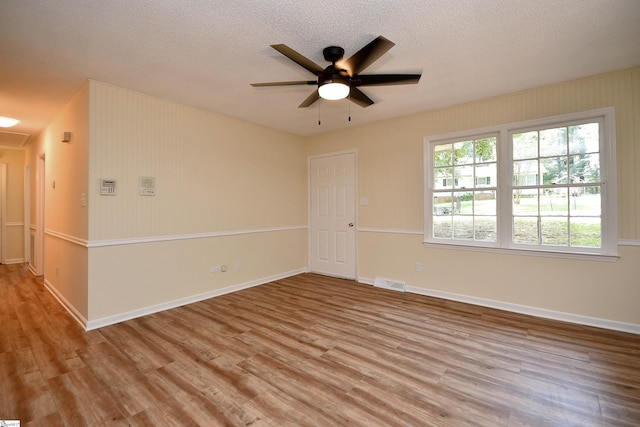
233, 193
390, 157
134, 278
227, 192
14, 221
65, 219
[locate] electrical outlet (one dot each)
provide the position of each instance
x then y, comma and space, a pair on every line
418, 267
223, 268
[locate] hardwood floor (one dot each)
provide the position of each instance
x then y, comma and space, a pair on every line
310, 351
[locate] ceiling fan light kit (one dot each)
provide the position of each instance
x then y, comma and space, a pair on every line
333, 90
339, 81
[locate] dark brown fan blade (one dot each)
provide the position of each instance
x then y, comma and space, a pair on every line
385, 79
298, 58
367, 55
310, 99
358, 96
301, 82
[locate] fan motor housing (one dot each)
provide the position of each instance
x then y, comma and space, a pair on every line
334, 75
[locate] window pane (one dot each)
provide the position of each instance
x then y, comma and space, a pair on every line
553, 142
584, 138
485, 150
463, 153
584, 168
525, 202
525, 230
463, 203
442, 227
525, 145
463, 177
485, 228
486, 175
462, 227
554, 202
554, 231
554, 170
442, 204
586, 232
442, 155
484, 203
525, 172
585, 201
443, 178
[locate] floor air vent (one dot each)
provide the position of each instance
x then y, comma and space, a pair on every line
389, 284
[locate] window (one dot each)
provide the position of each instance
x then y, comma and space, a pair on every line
464, 203
545, 185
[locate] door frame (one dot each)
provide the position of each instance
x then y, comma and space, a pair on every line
3, 213
27, 215
354, 152
40, 214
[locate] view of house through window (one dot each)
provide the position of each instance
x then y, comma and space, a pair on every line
532, 187
464, 202
557, 187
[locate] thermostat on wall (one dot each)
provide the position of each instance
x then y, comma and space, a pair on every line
108, 187
147, 185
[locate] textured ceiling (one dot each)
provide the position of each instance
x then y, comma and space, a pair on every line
205, 53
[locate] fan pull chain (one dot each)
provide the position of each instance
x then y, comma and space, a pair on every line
319, 103
349, 104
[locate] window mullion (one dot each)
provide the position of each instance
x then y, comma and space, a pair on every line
505, 190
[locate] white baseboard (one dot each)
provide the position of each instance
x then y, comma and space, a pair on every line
524, 309
14, 261
66, 304
515, 308
117, 318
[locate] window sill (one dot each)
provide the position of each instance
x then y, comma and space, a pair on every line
525, 252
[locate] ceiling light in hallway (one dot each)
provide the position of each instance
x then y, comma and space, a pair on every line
7, 122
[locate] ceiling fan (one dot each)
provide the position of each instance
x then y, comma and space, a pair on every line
342, 78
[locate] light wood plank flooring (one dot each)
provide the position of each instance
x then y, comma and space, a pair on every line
310, 351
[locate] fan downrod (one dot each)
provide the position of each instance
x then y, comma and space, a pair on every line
333, 53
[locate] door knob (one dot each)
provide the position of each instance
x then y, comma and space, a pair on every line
350, 224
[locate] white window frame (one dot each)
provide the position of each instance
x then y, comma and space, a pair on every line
609, 216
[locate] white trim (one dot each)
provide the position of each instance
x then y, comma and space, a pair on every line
525, 252
111, 320
14, 261
66, 237
391, 231
155, 239
14, 224
38, 262
525, 309
609, 222
66, 304
621, 242
3, 212
27, 212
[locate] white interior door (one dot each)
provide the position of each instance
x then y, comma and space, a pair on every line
332, 243
3, 212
